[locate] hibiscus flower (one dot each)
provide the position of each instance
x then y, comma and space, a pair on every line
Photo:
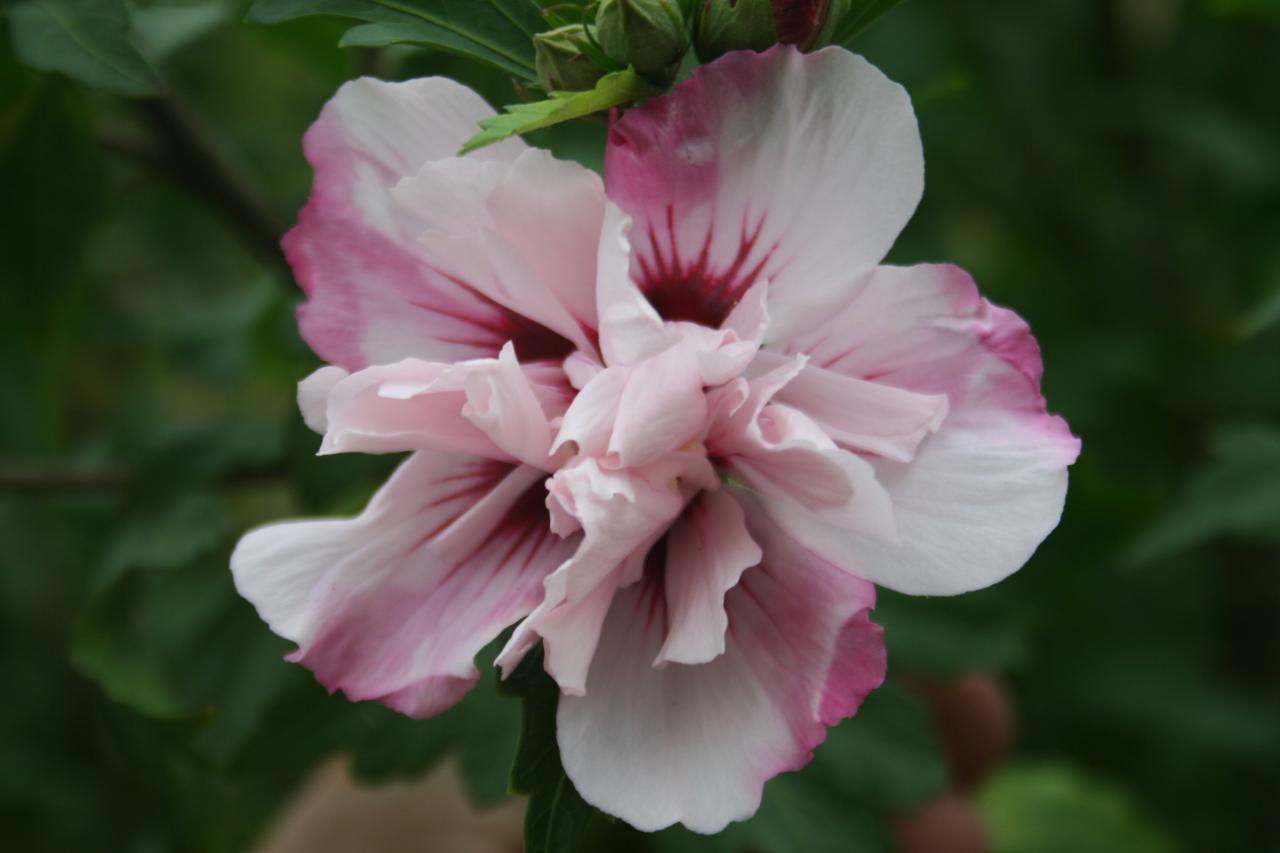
673, 425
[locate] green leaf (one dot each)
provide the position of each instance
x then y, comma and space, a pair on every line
46, 153
611, 90
1055, 809
798, 812
85, 39
481, 730
190, 525
861, 14
557, 819
1263, 315
163, 29
1237, 493
496, 32
134, 639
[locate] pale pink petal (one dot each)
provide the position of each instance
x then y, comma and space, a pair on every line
485, 407
630, 328
820, 497
580, 368
622, 513
588, 423
394, 605
984, 491
373, 295
504, 404
662, 407
633, 415
815, 490
796, 168
523, 234
313, 396
865, 416
408, 405
695, 744
618, 511
734, 409
737, 342
708, 549
569, 631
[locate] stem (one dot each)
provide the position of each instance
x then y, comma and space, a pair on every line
21, 479
36, 481
179, 150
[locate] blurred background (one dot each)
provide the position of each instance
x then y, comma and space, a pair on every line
1108, 168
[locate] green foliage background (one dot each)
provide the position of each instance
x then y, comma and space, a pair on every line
1108, 168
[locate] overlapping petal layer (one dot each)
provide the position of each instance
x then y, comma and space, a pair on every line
395, 604
695, 744
376, 293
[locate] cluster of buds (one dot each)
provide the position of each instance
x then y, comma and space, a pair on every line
653, 36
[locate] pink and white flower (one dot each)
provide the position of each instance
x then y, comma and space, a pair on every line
673, 425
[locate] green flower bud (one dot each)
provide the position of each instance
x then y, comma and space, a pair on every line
649, 35
727, 25
560, 62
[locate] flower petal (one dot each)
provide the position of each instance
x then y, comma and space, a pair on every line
373, 294
486, 407
815, 490
662, 407
630, 328
695, 744
633, 415
313, 396
860, 415
984, 491
708, 549
622, 513
796, 168
394, 604
618, 511
524, 234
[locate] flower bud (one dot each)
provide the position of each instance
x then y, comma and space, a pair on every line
727, 25
560, 62
649, 35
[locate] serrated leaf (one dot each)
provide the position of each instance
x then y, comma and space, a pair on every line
861, 14
89, 40
611, 90
496, 32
